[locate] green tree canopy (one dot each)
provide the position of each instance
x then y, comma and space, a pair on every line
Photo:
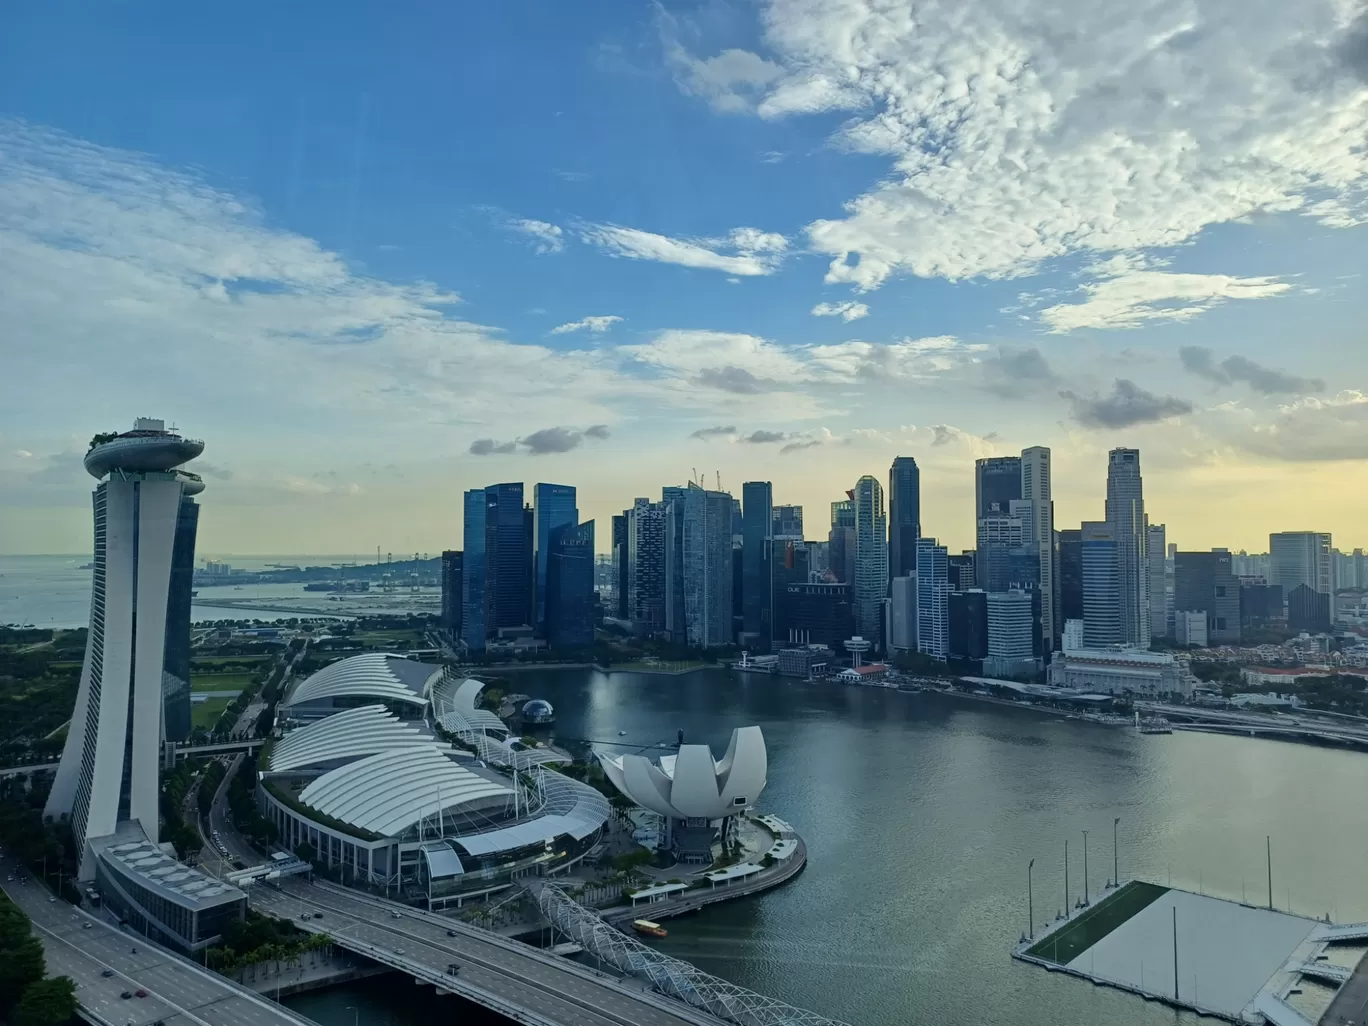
46, 1003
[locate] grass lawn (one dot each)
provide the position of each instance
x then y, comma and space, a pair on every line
219, 681
388, 639
209, 662
1068, 942
205, 714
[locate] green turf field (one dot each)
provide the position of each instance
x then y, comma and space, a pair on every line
210, 662
205, 714
1090, 926
219, 681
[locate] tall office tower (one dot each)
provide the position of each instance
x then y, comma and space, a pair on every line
968, 612
1069, 562
1011, 632
1100, 567
738, 519
933, 599
997, 481
473, 589
553, 506
1160, 582
902, 615
646, 566
1299, 557
790, 563
841, 539
1360, 569
451, 594
508, 557
180, 593
108, 770
570, 586
817, 614
619, 606
788, 522
870, 566
1006, 557
1204, 582
904, 517
963, 571
676, 625
757, 587
707, 567
1126, 513
1037, 494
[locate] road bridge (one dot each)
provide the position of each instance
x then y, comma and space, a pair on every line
525, 984
179, 992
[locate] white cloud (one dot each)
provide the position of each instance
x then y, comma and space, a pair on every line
875, 362
1017, 136
1130, 298
731, 82
1307, 430
597, 325
546, 237
755, 252
845, 311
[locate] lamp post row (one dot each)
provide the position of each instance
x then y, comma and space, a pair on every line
1115, 881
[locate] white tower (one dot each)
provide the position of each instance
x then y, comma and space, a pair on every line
108, 771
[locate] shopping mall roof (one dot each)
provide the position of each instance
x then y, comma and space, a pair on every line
351, 734
376, 675
390, 792
454, 704
128, 852
571, 808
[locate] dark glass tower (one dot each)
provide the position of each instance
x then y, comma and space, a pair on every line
176, 658
451, 593
904, 517
570, 586
473, 571
757, 592
508, 558
553, 506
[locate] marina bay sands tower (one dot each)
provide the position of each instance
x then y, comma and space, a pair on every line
131, 690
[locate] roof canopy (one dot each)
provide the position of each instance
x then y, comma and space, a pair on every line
691, 784
351, 734
371, 675
392, 791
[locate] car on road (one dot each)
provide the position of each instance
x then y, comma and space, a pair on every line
52, 899
140, 992
451, 933
453, 969
126, 995
85, 926
107, 972
396, 915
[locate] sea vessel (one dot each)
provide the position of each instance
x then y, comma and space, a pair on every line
648, 929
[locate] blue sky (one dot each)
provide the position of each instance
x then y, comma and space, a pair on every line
377, 254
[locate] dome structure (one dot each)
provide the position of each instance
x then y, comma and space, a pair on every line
692, 785
538, 711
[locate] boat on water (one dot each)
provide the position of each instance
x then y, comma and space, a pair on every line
1152, 724
648, 929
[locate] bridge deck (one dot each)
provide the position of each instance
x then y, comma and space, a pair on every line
526, 984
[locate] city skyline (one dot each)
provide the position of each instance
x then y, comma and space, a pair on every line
771, 265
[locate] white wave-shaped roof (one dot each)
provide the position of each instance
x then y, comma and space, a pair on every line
352, 734
571, 808
454, 704
370, 675
390, 792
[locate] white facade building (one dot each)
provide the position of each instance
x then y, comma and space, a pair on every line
108, 771
1011, 634
1126, 514
933, 599
1300, 557
1190, 627
1072, 636
1160, 582
1121, 671
870, 575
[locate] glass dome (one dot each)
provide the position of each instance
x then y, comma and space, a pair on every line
538, 711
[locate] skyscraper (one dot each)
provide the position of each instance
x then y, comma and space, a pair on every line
1299, 557
1037, 494
997, 481
841, 539
933, 599
1126, 513
676, 625
902, 615
179, 595
108, 770
1101, 570
707, 566
1205, 583
870, 576
1069, 559
904, 516
1160, 582
619, 607
788, 522
569, 588
508, 557
473, 571
646, 566
553, 505
451, 594
757, 590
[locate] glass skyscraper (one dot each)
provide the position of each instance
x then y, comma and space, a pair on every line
553, 506
904, 516
569, 588
1126, 514
871, 557
757, 590
473, 572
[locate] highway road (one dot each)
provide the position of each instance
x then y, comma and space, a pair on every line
554, 990
179, 993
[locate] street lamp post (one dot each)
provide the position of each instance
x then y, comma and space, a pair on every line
1085, 868
1066, 878
1030, 904
356, 1015
1116, 862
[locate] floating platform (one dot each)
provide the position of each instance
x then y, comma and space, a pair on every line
1220, 958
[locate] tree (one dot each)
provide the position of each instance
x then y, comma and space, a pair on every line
46, 1003
21, 955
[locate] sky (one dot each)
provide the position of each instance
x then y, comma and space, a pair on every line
377, 254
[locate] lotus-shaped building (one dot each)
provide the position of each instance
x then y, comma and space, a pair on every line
698, 797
